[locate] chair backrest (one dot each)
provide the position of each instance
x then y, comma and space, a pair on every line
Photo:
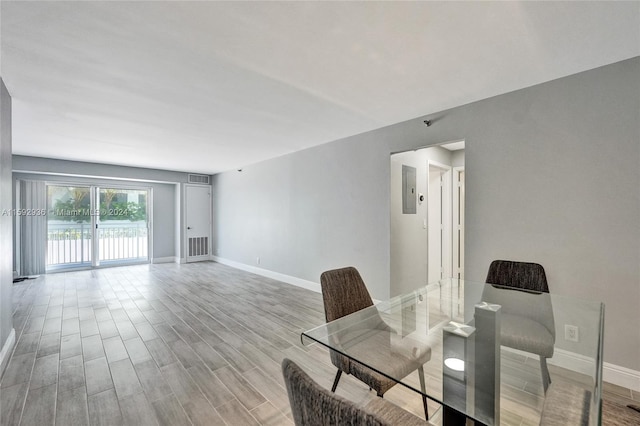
343, 292
312, 405
523, 275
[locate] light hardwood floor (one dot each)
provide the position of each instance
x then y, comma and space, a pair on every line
175, 344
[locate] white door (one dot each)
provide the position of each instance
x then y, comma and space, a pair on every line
198, 222
438, 223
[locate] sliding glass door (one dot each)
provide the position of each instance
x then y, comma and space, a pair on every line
89, 226
123, 227
69, 230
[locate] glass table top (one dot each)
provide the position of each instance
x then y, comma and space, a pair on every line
477, 345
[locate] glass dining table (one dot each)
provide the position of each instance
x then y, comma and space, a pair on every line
476, 333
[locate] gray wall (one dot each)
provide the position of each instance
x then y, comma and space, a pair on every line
6, 223
553, 176
164, 220
457, 158
166, 236
318, 209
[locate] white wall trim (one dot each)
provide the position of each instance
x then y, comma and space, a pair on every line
299, 282
7, 349
169, 259
611, 373
621, 376
572, 361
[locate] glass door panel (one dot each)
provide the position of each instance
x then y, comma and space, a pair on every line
69, 229
123, 226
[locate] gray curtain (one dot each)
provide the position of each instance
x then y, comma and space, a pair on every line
33, 228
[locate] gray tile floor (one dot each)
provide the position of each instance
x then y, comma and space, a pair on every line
161, 344
175, 344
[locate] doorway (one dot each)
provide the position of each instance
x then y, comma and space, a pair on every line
91, 226
426, 240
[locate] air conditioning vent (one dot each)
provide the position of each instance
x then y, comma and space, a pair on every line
202, 179
198, 246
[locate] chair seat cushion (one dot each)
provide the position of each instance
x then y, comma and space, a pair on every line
393, 414
526, 334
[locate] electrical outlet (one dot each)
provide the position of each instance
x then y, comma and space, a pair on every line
571, 333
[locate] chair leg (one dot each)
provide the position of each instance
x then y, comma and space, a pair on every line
336, 380
546, 377
423, 388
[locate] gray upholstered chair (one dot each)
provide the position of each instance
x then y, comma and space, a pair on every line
343, 293
527, 321
313, 405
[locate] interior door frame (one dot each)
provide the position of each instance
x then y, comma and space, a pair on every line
458, 222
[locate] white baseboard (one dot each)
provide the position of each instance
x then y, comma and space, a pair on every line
572, 361
621, 376
611, 373
299, 282
6, 350
170, 259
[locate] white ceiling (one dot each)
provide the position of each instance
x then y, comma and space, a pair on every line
211, 86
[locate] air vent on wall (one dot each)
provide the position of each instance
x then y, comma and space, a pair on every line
198, 246
203, 179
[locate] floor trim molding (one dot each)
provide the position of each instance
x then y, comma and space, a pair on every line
6, 350
621, 376
571, 361
611, 373
170, 259
299, 282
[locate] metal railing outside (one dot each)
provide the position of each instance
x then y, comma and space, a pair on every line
71, 243
68, 243
123, 241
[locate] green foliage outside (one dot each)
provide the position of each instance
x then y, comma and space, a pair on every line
76, 207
